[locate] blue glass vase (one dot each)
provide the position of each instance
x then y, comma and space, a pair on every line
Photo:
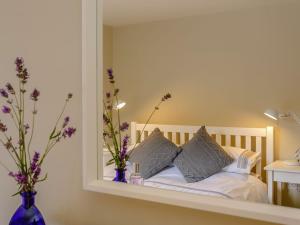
27, 213
120, 176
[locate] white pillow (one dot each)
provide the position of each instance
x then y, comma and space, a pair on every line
244, 160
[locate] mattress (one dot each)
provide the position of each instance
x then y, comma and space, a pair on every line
224, 184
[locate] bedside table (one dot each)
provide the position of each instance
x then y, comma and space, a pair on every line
281, 173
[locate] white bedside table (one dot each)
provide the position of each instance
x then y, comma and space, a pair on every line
281, 173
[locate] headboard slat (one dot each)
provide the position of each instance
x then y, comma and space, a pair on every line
182, 138
238, 142
248, 143
258, 148
228, 140
219, 139
174, 139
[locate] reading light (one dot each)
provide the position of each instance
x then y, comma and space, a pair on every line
275, 115
119, 105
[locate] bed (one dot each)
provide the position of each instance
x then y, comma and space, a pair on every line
224, 184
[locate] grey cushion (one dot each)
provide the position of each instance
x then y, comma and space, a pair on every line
154, 154
201, 157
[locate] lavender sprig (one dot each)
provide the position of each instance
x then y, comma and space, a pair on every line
3, 127
69, 132
34, 95
114, 129
29, 170
66, 121
3, 93
124, 148
6, 109
156, 108
124, 126
10, 89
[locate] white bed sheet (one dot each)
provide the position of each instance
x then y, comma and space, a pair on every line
224, 184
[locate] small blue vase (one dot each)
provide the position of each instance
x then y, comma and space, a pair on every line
27, 213
120, 176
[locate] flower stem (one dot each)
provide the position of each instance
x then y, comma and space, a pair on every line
119, 123
32, 130
148, 120
22, 129
50, 139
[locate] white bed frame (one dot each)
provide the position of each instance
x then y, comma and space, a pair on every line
250, 138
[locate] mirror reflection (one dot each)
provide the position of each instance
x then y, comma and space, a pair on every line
202, 98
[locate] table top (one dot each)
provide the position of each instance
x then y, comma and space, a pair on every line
280, 166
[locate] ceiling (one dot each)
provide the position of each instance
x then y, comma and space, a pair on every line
124, 12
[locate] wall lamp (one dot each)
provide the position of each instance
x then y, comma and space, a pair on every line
275, 115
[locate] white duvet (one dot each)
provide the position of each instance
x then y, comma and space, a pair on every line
223, 184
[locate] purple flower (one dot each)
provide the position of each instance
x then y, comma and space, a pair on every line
34, 163
110, 72
19, 61
166, 97
11, 174
8, 144
19, 177
26, 128
19, 64
110, 75
23, 75
106, 119
3, 127
36, 157
34, 95
22, 72
3, 93
69, 132
36, 174
10, 88
6, 109
124, 147
116, 91
124, 126
66, 121
33, 167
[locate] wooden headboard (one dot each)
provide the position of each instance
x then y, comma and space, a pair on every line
255, 139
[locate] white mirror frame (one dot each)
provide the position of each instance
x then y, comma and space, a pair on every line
91, 125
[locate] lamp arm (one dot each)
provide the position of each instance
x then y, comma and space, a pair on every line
292, 115
295, 117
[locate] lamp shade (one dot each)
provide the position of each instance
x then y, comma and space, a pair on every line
273, 114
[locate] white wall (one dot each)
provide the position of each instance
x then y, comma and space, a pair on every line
48, 35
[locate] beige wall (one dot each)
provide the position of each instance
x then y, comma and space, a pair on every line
223, 69
48, 35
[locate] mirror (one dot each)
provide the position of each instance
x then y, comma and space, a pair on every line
224, 63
